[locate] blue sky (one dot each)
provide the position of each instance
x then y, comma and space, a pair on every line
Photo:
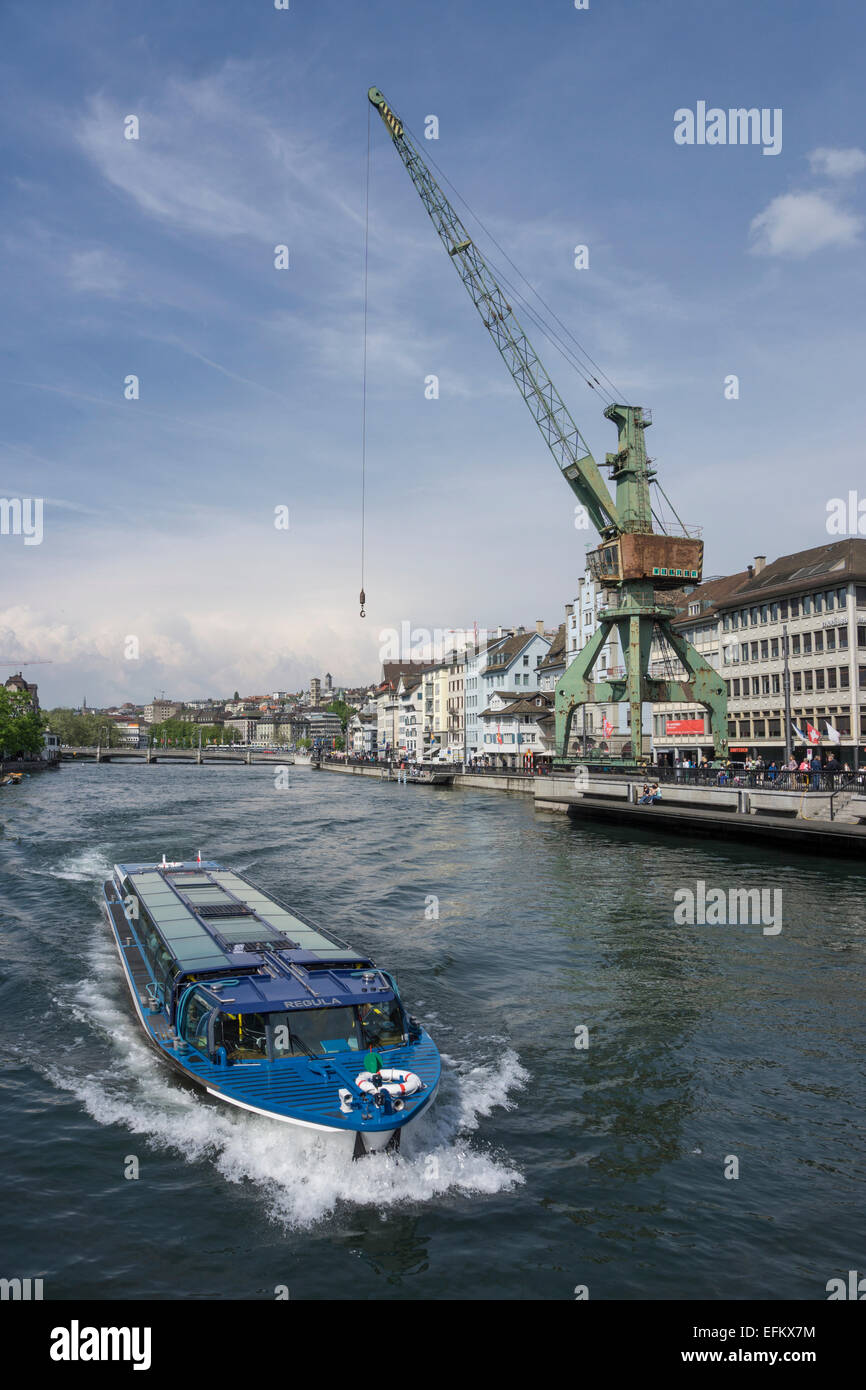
155, 257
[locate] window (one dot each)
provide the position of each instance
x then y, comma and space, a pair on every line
765, 650
196, 1015
807, 644
831, 678
754, 651
783, 609
244, 1037
818, 601
795, 608
808, 683
841, 598
765, 613
756, 685
774, 647
860, 594
526, 661
797, 682
774, 612
774, 728
831, 640
765, 685
776, 684
745, 728
843, 639
819, 680
753, 613
828, 600
806, 602
795, 645
819, 641
759, 728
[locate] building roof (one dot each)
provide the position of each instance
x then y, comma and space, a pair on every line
556, 652
711, 595
393, 670
522, 704
509, 648
834, 563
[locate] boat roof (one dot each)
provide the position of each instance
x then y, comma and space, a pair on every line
215, 922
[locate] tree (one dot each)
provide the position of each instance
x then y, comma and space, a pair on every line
342, 709
21, 727
82, 730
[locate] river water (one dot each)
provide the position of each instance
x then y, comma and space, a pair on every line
543, 1167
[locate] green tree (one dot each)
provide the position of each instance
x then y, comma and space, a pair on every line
343, 710
21, 727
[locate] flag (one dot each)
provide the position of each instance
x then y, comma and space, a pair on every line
606, 728
799, 732
832, 734
498, 733
814, 736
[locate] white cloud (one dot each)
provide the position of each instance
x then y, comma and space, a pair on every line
837, 164
796, 224
207, 162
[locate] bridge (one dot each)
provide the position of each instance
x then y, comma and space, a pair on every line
229, 755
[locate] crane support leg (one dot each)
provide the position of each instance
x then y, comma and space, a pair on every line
705, 687
636, 631
574, 686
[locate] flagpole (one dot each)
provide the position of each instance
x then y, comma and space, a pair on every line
787, 688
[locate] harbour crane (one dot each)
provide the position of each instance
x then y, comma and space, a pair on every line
633, 562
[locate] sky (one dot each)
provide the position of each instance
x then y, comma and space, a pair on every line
155, 258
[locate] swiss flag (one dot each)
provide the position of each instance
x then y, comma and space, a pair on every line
812, 732
607, 728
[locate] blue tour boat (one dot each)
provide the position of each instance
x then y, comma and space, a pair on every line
246, 998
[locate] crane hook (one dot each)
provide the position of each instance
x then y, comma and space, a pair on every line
363, 601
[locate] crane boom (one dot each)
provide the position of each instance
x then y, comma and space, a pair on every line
633, 562
549, 411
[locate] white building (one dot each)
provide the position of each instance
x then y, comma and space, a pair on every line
511, 661
516, 730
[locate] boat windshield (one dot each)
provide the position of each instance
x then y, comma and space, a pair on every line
315, 1031
311, 1032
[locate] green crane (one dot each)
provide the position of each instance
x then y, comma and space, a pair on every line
633, 562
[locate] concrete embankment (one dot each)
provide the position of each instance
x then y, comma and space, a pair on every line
796, 820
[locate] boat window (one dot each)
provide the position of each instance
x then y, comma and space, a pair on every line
382, 1024
195, 1021
317, 1031
243, 1036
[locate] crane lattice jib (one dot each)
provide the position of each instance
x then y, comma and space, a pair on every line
558, 429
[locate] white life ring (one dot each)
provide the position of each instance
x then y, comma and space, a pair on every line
394, 1081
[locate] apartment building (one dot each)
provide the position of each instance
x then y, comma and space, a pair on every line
805, 611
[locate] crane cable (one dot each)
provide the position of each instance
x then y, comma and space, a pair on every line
363, 596
582, 350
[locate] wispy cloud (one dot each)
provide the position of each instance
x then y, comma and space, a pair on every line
837, 164
798, 224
